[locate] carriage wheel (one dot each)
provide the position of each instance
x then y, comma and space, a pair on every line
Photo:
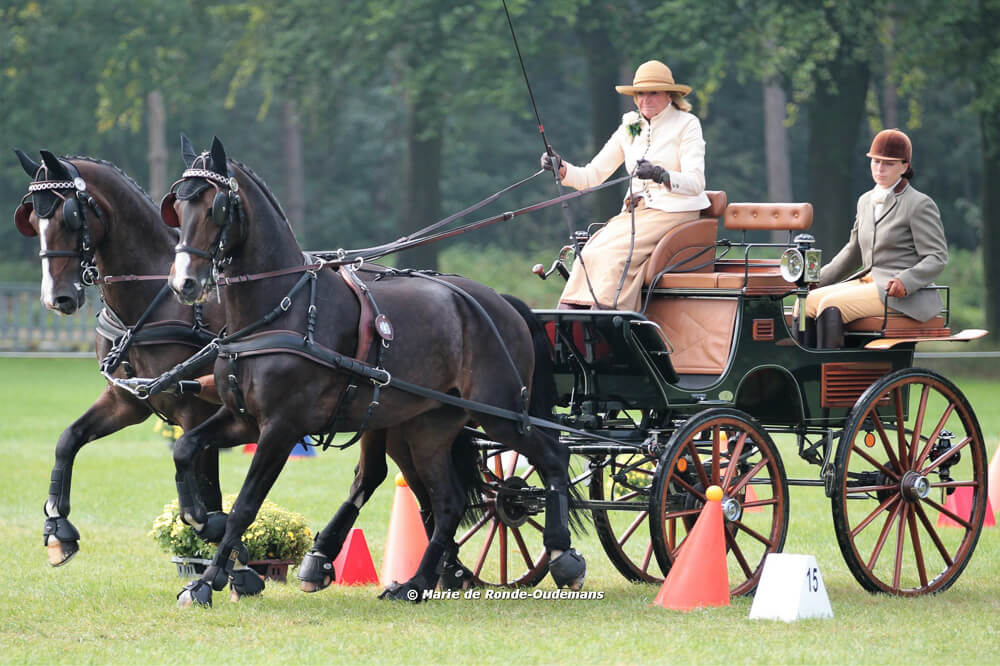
909, 492
726, 448
626, 478
503, 547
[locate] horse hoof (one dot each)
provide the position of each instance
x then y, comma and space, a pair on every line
61, 540
60, 552
245, 583
197, 592
455, 576
401, 592
316, 572
569, 570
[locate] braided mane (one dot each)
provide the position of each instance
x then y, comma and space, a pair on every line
263, 186
127, 178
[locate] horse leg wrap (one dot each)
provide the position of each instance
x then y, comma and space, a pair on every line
246, 582
455, 575
316, 570
62, 540
58, 489
332, 538
196, 592
569, 569
214, 527
221, 568
556, 533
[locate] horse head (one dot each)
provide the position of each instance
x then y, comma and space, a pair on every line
212, 204
66, 218
205, 204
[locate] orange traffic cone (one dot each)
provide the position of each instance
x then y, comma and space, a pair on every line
699, 576
993, 482
960, 504
354, 565
407, 540
751, 496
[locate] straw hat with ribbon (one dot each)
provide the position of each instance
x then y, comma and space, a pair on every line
653, 76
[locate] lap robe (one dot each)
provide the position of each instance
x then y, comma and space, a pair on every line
607, 252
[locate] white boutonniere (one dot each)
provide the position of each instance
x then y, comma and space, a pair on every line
634, 123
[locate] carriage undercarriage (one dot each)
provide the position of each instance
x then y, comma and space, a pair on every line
898, 449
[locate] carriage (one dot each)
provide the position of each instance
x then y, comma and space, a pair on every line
701, 388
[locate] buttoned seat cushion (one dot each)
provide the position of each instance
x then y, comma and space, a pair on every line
684, 246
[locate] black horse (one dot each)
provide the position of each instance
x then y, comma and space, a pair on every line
293, 364
96, 225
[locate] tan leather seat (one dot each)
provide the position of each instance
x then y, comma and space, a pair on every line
900, 326
683, 247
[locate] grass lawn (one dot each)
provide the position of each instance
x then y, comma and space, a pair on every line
114, 603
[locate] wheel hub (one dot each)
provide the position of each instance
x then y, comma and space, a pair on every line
914, 486
509, 504
731, 508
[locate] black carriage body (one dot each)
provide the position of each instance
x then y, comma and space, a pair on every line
616, 360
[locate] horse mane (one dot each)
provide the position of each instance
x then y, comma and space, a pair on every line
263, 186
127, 178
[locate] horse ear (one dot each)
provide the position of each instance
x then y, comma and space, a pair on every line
219, 157
56, 169
30, 166
187, 150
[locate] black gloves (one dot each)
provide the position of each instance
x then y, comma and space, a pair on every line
551, 162
649, 171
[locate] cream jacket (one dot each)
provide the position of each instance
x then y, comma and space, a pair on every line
672, 140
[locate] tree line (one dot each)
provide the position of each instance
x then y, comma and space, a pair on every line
372, 119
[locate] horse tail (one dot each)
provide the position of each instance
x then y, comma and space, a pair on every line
544, 395
543, 380
465, 457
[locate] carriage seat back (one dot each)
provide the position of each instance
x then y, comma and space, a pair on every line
682, 248
769, 216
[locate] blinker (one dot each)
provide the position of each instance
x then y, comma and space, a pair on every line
167, 212
220, 208
21, 220
73, 215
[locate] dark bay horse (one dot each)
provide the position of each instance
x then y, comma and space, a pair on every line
96, 225
286, 366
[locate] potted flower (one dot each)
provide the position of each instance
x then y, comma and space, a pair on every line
276, 539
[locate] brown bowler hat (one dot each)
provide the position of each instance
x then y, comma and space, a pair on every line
653, 76
891, 144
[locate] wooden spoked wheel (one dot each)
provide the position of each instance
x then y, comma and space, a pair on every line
503, 546
910, 491
725, 448
626, 479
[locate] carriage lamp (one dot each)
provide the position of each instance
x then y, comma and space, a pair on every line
792, 264
814, 259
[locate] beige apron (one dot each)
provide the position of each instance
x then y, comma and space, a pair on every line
606, 253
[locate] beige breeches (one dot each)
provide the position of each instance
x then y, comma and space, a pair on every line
606, 253
855, 299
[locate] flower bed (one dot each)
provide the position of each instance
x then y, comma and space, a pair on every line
276, 538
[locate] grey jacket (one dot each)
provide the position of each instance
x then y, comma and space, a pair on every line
907, 242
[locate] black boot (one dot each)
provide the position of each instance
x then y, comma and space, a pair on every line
806, 338
829, 329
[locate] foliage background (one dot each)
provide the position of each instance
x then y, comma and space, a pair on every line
371, 119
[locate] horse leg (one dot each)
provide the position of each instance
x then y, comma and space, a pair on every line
430, 438
454, 575
221, 429
567, 566
274, 445
316, 571
111, 412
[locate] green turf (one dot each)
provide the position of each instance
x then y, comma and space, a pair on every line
114, 603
